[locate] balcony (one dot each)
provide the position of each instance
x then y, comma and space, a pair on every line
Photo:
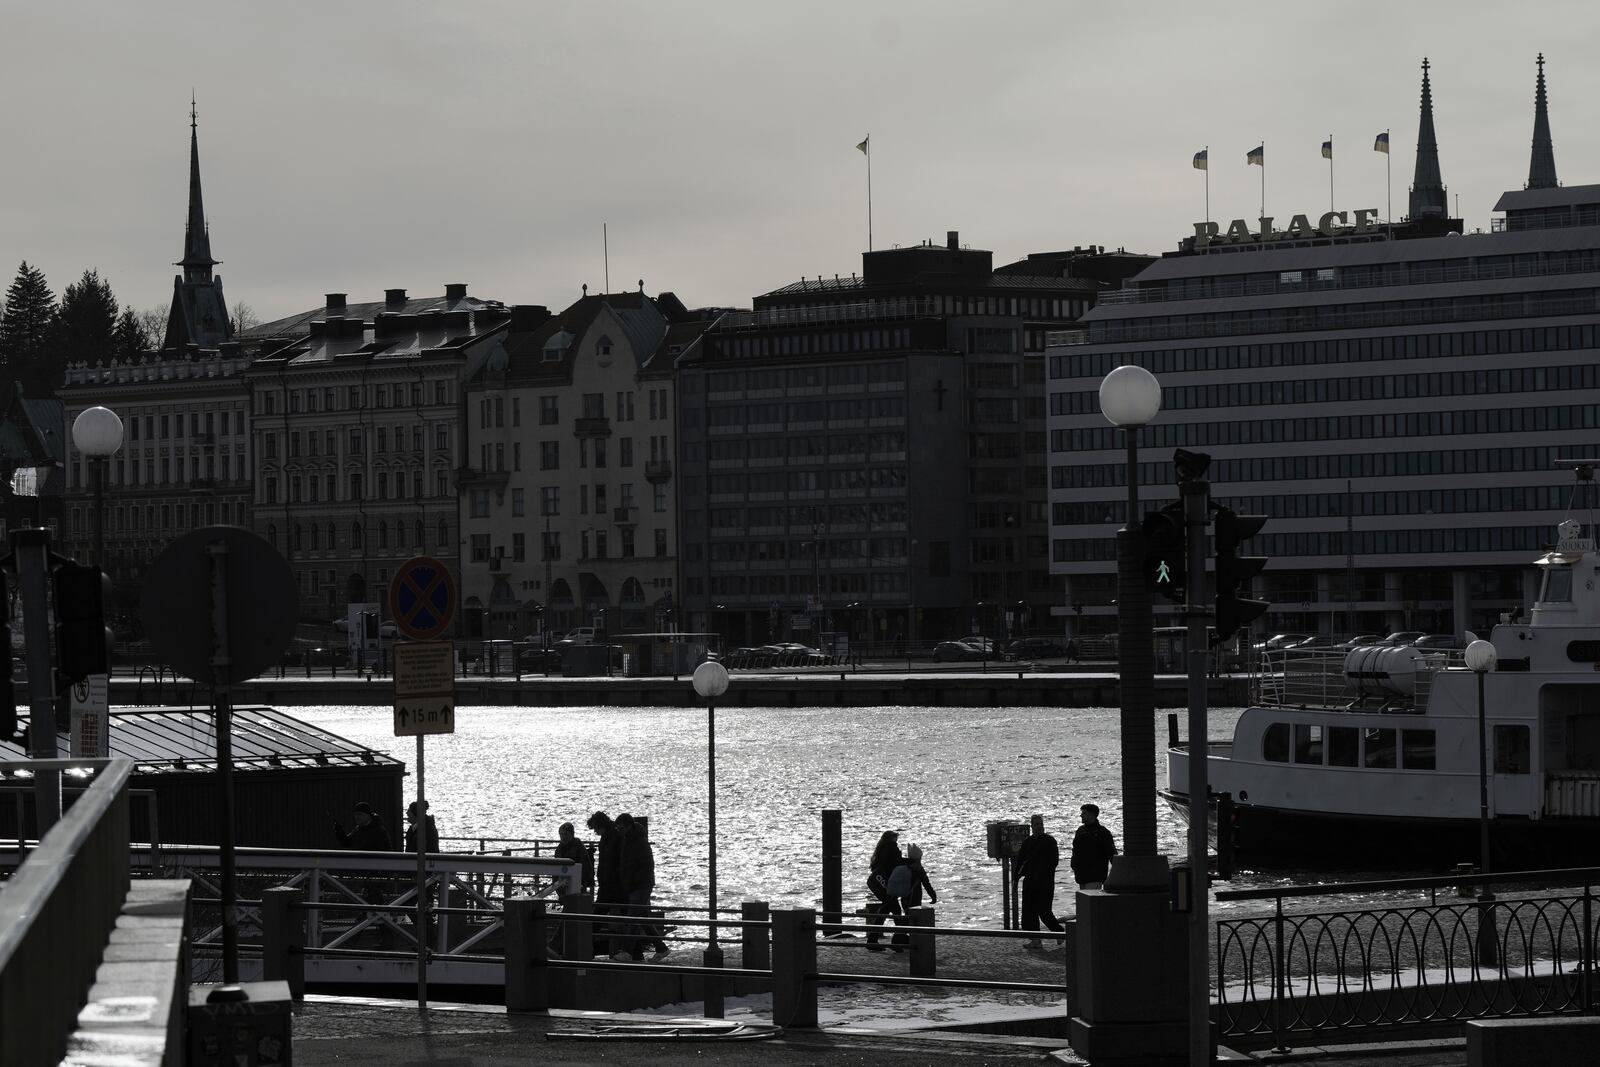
624, 516
497, 562
592, 427
658, 470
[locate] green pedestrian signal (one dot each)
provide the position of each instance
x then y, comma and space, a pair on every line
1165, 552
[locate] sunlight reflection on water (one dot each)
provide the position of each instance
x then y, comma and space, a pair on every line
937, 775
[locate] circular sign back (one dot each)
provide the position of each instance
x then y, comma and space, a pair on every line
422, 598
262, 603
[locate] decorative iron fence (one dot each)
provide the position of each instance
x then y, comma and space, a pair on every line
1282, 978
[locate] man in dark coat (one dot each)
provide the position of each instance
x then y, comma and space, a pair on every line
1093, 849
608, 892
370, 835
639, 882
1035, 868
430, 838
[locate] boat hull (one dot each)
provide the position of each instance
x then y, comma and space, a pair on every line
1274, 838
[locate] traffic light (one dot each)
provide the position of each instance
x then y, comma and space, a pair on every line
83, 644
8, 688
1234, 570
1166, 552
1227, 838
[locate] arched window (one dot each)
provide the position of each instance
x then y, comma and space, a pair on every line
311, 528
444, 533
383, 535
296, 542
333, 536
356, 544
272, 534
421, 538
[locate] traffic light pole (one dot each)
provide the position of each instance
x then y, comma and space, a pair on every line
30, 548
1196, 495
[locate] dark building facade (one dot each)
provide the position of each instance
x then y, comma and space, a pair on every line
1398, 399
865, 456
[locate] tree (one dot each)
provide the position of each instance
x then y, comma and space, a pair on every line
130, 339
25, 332
85, 326
154, 321
244, 317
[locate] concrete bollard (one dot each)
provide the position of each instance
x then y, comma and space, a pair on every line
283, 933
757, 954
924, 957
794, 960
527, 955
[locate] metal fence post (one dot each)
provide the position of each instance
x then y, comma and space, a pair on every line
1281, 979
924, 958
794, 961
527, 955
1586, 975
283, 937
755, 940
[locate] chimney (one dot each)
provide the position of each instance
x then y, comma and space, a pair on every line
335, 303
316, 328
394, 297
952, 239
526, 317
455, 291
385, 323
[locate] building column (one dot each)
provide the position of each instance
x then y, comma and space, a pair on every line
1393, 614
1461, 604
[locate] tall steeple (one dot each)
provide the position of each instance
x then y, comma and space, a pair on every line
196, 261
1428, 199
1542, 167
198, 320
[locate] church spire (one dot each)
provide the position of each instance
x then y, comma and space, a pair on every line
1428, 199
1542, 167
196, 261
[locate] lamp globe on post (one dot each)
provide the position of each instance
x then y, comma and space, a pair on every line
1480, 658
710, 682
97, 433
1130, 397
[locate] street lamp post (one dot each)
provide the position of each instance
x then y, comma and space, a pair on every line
97, 433
710, 682
1480, 657
1130, 397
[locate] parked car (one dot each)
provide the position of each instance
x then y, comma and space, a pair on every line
1358, 641
1036, 648
957, 651
533, 660
580, 635
1404, 637
1440, 643
1277, 641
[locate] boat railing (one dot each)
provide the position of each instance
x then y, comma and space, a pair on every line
1317, 678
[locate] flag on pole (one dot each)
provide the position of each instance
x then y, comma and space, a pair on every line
1200, 159
862, 147
1257, 157
1327, 148
1382, 143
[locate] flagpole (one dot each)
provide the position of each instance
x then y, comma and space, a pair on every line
1388, 180
1330, 172
1208, 184
1263, 181
869, 192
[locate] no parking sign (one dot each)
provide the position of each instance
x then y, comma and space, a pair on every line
422, 598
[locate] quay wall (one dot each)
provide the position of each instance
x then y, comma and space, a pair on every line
851, 689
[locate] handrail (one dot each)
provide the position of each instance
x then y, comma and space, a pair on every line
56, 913
1554, 877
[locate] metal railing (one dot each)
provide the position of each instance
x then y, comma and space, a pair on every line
1316, 678
1284, 979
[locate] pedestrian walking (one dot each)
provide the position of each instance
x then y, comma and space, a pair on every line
638, 871
1035, 868
609, 896
1093, 849
572, 850
430, 837
885, 858
369, 835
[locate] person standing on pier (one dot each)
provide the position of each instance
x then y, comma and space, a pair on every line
430, 836
1036, 865
639, 882
609, 895
906, 883
1093, 848
370, 835
885, 858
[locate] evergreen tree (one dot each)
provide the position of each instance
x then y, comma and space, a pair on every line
85, 326
30, 310
130, 339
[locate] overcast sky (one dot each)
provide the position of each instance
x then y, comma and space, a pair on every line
353, 146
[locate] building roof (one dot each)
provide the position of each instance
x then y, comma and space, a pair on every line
167, 740
1561, 196
299, 324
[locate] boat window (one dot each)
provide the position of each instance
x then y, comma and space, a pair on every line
1380, 748
1343, 746
1307, 743
1583, 651
1557, 586
1511, 750
1416, 750
1275, 745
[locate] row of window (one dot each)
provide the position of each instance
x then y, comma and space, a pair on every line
1235, 469
312, 488
397, 395
728, 383
803, 447
1377, 315
129, 468
849, 480
1317, 505
326, 442
1381, 747
147, 518
1342, 350
550, 546
170, 426
799, 412
315, 537
814, 343
880, 515
881, 582
865, 550
1436, 542
1335, 428
1483, 382
550, 500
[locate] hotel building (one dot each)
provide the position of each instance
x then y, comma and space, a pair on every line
1398, 399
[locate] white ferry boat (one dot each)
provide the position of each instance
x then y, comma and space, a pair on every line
1371, 757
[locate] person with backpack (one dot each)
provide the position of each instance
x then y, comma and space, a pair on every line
906, 883
885, 858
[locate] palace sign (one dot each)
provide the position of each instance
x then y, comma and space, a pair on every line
1331, 224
